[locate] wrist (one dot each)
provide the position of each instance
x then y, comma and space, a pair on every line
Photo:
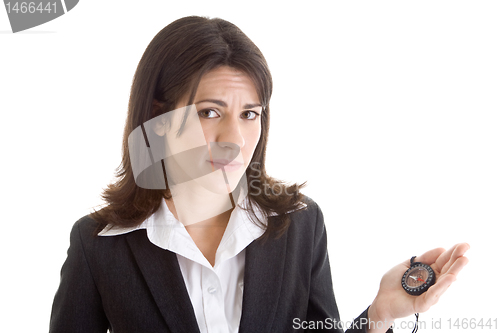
378, 320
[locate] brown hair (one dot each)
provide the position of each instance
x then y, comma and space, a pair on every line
171, 66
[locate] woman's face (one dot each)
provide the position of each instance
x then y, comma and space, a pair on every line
219, 137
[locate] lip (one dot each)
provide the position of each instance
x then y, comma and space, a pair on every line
223, 163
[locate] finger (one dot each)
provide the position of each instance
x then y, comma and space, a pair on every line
458, 251
430, 257
457, 266
444, 258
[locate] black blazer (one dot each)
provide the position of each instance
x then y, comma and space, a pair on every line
127, 284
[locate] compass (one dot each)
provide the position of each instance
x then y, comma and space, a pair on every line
418, 278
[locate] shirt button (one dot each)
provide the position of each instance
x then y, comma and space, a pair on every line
212, 290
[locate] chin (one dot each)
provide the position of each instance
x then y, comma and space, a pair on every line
215, 182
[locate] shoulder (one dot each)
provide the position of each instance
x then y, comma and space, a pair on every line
305, 236
85, 227
310, 211
84, 234
98, 252
308, 220
311, 204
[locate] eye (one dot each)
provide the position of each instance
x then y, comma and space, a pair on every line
208, 114
249, 115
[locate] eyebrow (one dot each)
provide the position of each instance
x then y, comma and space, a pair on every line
224, 104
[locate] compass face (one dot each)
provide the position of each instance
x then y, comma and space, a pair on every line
418, 278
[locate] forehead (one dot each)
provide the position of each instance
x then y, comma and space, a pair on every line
226, 80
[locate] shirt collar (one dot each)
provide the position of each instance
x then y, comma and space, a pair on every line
166, 232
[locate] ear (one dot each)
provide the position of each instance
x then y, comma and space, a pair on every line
159, 121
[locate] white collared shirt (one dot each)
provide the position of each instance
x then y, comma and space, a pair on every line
216, 292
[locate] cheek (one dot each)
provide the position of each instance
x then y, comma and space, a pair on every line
252, 139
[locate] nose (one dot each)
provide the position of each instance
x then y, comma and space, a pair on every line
229, 134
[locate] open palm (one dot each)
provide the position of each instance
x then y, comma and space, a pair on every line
393, 302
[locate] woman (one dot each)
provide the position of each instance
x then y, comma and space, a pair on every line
196, 237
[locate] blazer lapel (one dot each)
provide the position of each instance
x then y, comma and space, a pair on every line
264, 266
163, 276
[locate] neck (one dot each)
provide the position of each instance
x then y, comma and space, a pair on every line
200, 207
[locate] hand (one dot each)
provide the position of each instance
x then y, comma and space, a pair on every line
393, 302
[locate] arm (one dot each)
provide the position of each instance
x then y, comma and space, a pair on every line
322, 305
77, 304
322, 302
392, 301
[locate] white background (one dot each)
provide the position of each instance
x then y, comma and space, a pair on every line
389, 109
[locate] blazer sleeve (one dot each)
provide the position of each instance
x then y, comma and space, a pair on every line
77, 305
321, 307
